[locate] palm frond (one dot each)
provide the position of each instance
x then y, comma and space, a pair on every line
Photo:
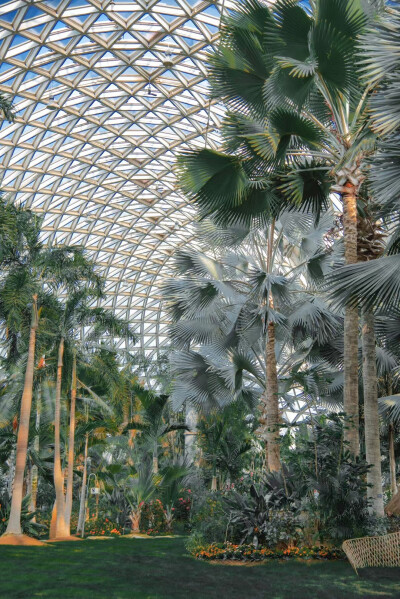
374, 284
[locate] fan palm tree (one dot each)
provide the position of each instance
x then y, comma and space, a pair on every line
233, 304
377, 284
297, 124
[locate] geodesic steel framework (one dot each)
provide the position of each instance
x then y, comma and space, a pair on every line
106, 93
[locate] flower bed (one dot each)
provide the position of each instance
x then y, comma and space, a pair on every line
102, 528
228, 551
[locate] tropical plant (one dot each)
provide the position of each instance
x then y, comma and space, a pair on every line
251, 512
139, 489
30, 273
28, 524
322, 480
225, 439
154, 423
241, 311
75, 313
297, 127
376, 284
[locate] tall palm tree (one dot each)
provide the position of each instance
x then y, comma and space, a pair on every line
297, 116
76, 312
233, 304
375, 284
27, 267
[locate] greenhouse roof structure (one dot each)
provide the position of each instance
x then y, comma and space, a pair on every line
106, 94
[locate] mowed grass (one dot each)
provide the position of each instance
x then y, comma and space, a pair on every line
161, 568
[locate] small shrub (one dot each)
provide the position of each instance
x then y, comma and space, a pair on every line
183, 505
102, 527
211, 520
152, 519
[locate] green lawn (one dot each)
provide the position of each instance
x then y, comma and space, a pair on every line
131, 568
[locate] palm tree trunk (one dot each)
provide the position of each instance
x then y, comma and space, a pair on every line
71, 450
11, 472
134, 517
272, 404
60, 529
36, 447
392, 460
350, 391
371, 415
14, 522
81, 517
190, 435
155, 458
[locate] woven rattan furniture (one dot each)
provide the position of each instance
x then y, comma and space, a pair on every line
383, 551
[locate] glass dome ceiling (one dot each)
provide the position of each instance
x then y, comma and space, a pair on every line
106, 93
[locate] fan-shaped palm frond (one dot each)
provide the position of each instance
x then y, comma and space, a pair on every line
373, 284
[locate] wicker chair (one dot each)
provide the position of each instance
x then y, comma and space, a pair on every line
383, 551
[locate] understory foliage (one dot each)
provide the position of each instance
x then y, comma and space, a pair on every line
319, 496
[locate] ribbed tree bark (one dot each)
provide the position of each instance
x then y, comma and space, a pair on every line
14, 522
371, 415
272, 404
71, 450
392, 461
81, 517
350, 391
60, 528
36, 447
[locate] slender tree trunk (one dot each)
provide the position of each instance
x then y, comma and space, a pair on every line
11, 472
36, 447
61, 530
28, 480
392, 460
53, 522
350, 391
71, 450
155, 459
190, 436
81, 517
371, 415
273, 417
14, 522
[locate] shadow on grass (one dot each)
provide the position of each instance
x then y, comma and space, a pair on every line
379, 574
